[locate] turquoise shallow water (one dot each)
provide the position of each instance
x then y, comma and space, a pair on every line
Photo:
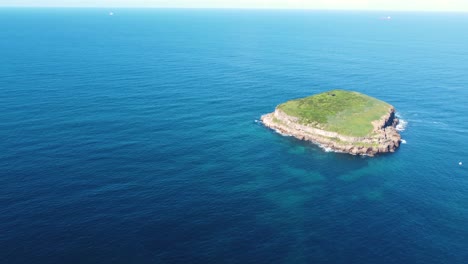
133, 138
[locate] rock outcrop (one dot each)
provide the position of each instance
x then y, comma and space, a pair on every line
384, 137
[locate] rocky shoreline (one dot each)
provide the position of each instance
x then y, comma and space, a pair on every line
384, 138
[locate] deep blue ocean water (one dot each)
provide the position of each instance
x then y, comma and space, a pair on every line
133, 138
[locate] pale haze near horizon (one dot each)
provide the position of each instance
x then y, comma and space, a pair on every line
398, 5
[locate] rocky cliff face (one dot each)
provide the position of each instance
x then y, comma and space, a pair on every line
384, 138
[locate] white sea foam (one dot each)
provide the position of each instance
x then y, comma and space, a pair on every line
327, 149
283, 134
401, 124
403, 141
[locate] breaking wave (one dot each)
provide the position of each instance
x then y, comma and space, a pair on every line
282, 133
401, 123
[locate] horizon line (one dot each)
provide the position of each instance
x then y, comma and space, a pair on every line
238, 8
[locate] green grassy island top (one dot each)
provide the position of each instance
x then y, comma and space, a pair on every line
345, 112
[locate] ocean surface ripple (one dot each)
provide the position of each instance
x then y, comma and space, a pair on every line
130, 138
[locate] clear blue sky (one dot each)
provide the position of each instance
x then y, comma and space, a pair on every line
423, 5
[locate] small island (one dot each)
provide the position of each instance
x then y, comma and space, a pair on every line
339, 120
